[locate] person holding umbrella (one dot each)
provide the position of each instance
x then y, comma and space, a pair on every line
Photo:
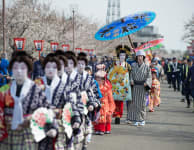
120, 80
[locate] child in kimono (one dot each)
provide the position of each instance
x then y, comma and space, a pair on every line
103, 124
155, 91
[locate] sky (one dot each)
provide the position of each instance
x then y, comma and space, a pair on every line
171, 15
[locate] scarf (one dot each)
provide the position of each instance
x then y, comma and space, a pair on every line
18, 110
49, 90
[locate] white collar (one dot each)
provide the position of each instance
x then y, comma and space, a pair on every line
73, 74
49, 90
85, 73
24, 91
64, 77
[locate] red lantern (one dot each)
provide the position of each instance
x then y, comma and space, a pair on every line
78, 50
38, 45
91, 52
19, 43
86, 51
66, 47
54, 46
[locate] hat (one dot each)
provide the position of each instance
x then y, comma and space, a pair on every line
140, 53
156, 59
100, 74
174, 58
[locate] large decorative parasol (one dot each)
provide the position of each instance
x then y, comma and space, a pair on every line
125, 26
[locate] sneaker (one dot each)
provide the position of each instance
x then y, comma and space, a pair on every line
101, 133
136, 123
107, 132
97, 132
142, 123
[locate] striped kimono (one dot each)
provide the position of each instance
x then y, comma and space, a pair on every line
139, 75
74, 80
57, 96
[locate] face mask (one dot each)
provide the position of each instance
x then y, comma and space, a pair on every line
20, 72
122, 57
81, 65
62, 68
50, 70
70, 65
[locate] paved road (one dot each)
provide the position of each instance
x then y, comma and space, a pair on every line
170, 127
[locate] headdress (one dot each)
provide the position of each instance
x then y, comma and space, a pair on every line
124, 49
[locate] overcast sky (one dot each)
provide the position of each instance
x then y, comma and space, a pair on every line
170, 19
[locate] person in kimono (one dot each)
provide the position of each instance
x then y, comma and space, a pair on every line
90, 97
141, 81
57, 96
103, 124
73, 80
155, 92
119, 76
18, 100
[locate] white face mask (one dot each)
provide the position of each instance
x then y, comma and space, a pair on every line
122, 57
20, 72
81, 65
70, 65
50, 70
62, 68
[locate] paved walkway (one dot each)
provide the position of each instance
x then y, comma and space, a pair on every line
170, 127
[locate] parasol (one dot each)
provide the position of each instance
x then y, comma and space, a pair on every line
125, 26
150, 45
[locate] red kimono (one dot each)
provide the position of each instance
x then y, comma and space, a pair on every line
107, 108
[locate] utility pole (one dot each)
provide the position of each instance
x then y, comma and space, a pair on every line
73, 29
3, 21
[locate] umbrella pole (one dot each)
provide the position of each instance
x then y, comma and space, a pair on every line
130, 41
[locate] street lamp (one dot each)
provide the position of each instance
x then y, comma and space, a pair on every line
73, 8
